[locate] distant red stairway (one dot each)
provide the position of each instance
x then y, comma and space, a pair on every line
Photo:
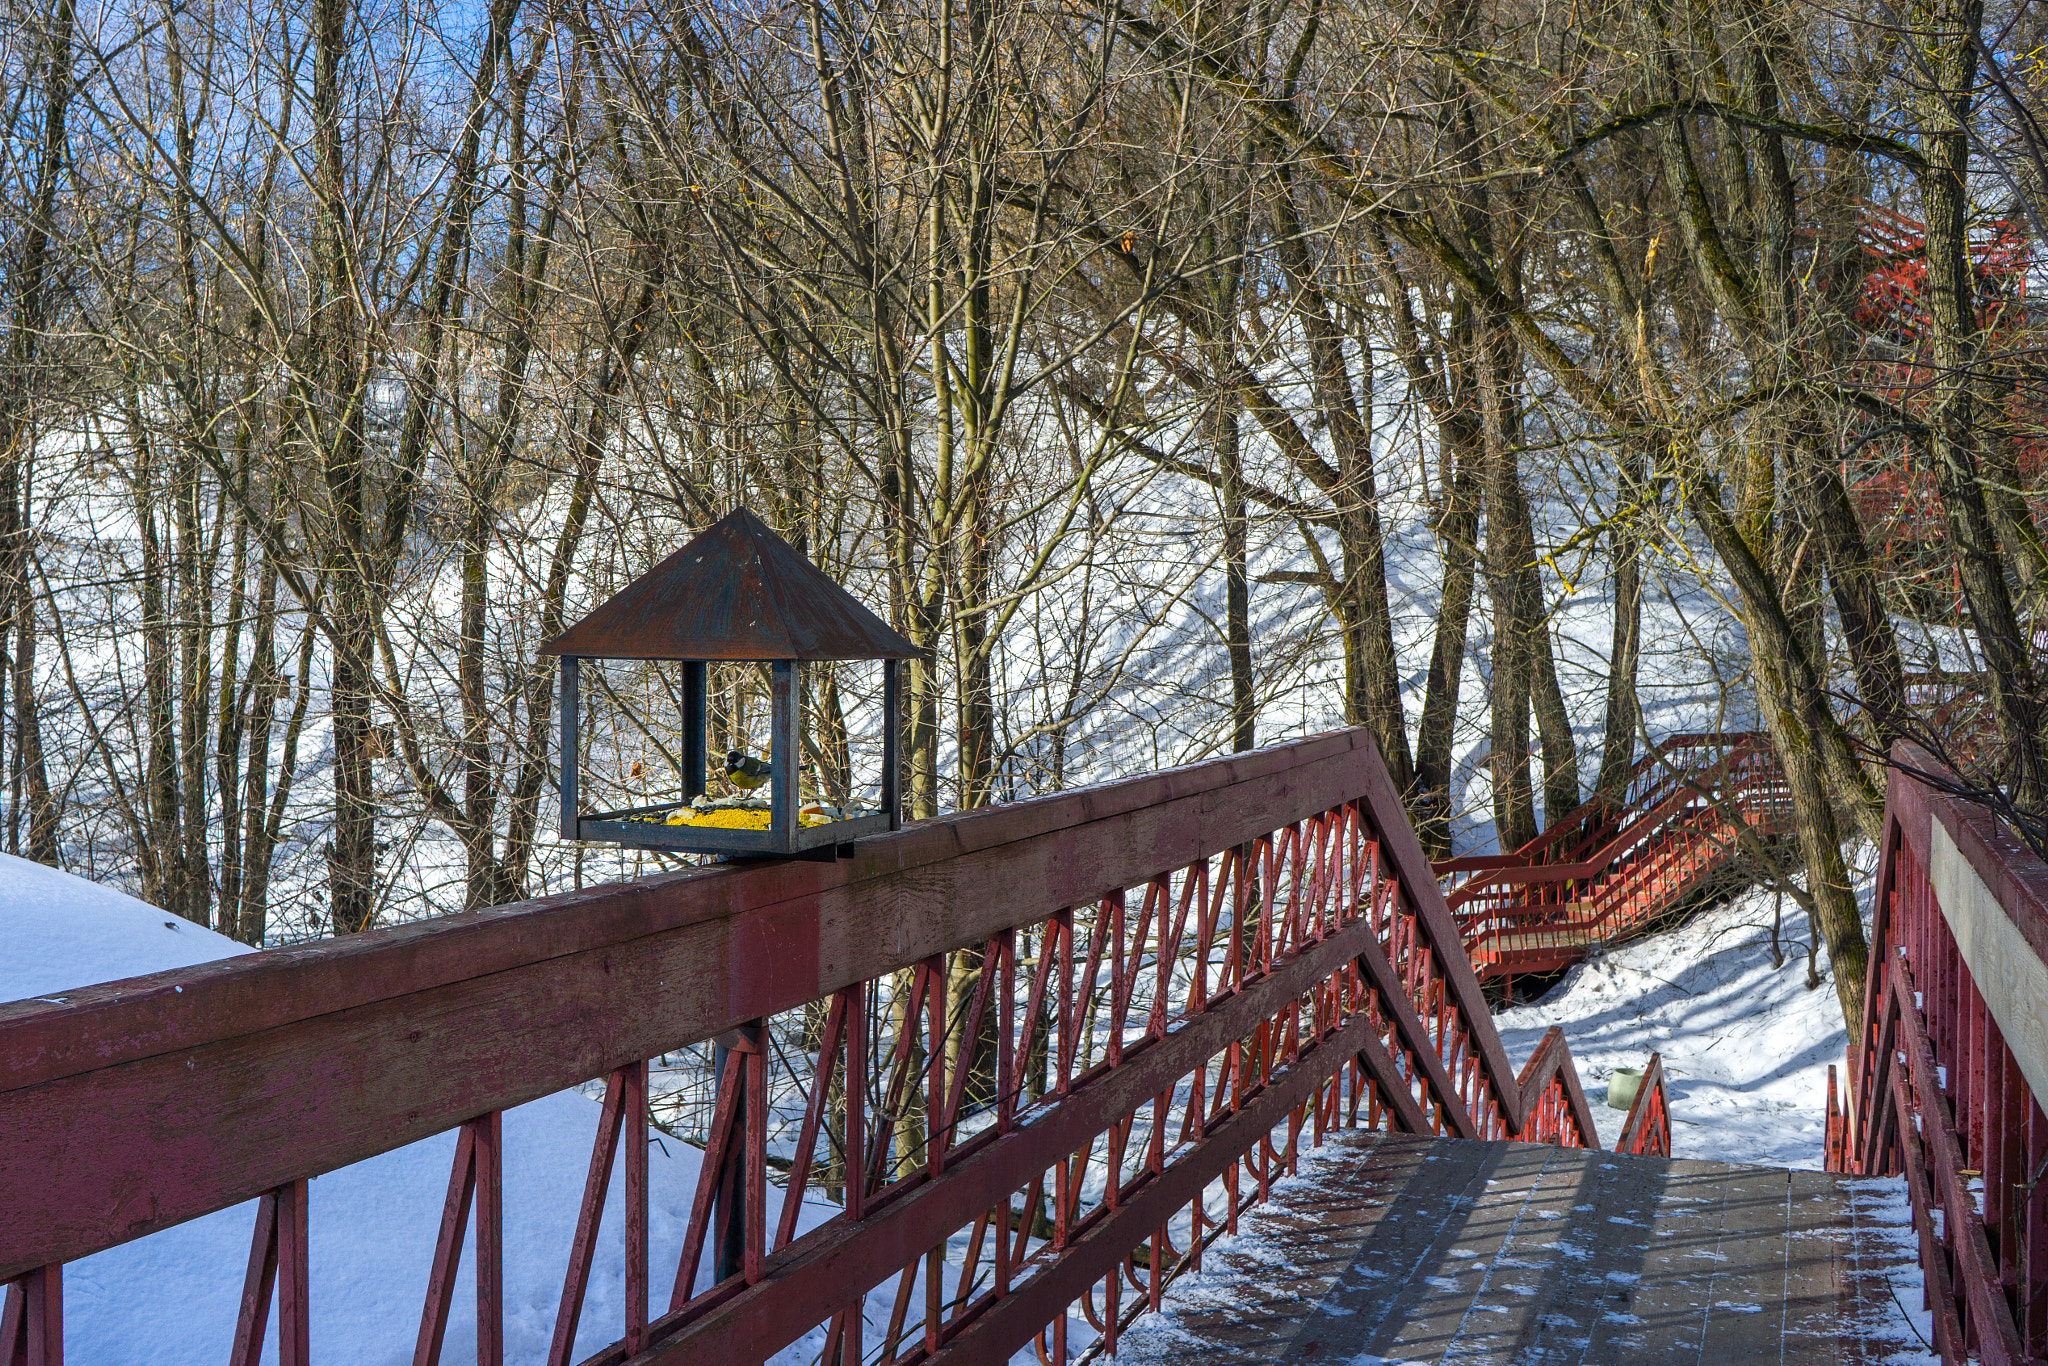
1693, 808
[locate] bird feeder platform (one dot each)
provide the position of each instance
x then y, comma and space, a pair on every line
649, 828
737, 593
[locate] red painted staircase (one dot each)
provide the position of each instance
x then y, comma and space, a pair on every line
1696, 810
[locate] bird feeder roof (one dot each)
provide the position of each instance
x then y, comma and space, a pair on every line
738, 591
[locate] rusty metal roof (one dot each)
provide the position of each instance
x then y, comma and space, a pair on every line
738, 591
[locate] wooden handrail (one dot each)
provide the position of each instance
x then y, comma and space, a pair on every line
1549, 1072
1947, 1072
1543, 905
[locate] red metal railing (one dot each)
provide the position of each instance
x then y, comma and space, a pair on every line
1612, 866
1939, 1094
1074, 1037
1648, 1129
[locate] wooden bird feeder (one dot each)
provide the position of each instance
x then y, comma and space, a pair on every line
738, 593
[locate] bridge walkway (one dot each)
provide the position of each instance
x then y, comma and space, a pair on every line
1391, 1248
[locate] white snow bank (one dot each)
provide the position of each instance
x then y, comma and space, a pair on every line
171, 1298
1746, 1046
59, 932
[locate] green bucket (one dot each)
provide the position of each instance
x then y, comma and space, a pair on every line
1622, 1085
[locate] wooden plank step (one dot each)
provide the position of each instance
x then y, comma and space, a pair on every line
1391, 1248
1542, 936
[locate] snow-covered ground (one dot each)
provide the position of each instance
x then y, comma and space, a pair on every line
1746, 1046
60, 931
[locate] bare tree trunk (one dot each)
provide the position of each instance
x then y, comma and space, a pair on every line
1957, 412
1553, 722
1457, 528
166, 880
265, 827
335, 420
1237, 612
1507, 552
31, 775
1623, 709
30, 283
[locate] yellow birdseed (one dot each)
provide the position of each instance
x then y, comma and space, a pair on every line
732, 820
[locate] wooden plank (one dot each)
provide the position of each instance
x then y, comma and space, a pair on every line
1573, 1260
1550, 1256
1834, 1273
1664, 1320
1389, 1284
1747, 1303
119, 1151
1239, 1312
1445, 1308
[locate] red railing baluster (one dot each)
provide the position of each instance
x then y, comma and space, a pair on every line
829, 1043
576, 1280
277, 1258
899, 1311
294, 1278
1936, 1093
247, 1349
488, 1144
462, 1187
1006, 1053
853, 1141
754, 1220
32, 1319
633, 1115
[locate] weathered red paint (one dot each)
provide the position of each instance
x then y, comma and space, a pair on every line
473, 1182
1936, 1096
148, 1141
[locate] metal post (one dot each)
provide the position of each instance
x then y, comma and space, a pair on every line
694, 700
570, 718
892, 725
782, 757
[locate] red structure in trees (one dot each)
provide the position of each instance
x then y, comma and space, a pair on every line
1887, 474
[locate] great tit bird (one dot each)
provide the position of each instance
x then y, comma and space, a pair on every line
744, 771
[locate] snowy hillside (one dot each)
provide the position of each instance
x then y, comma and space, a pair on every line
61, 932
1746, 1045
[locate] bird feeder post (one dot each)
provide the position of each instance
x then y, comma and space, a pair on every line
695, 702
782, 756
892, 759
571, 718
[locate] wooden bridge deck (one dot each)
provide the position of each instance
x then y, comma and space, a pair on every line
1449, 1250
